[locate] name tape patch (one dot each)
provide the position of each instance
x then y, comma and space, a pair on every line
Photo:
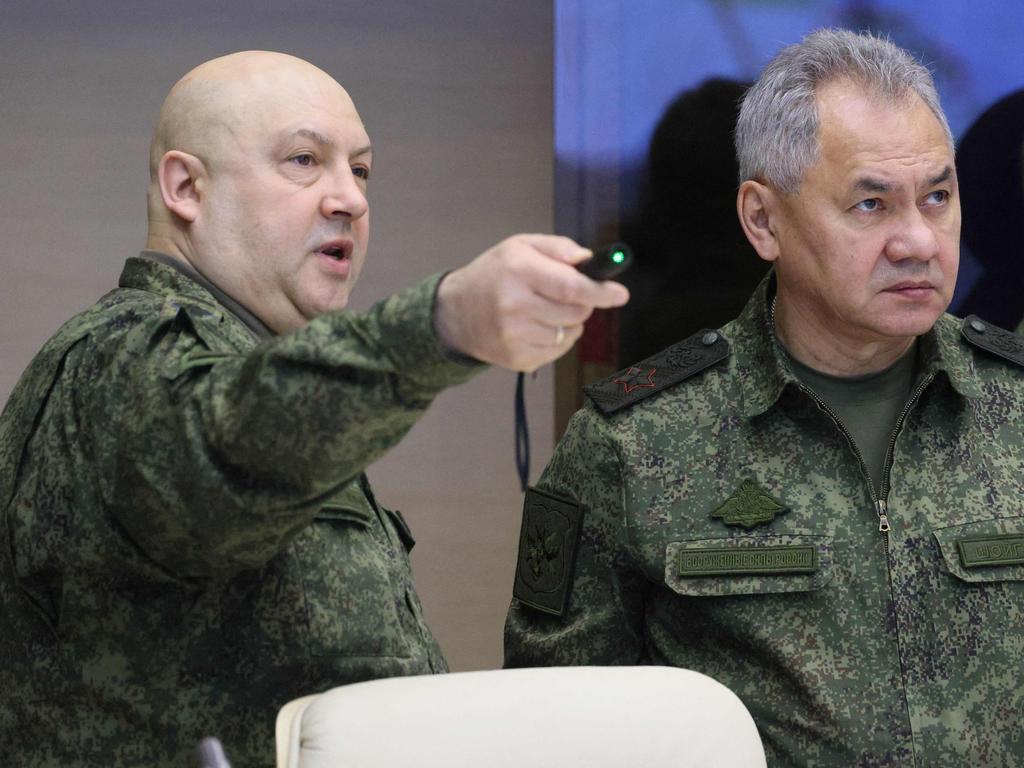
748, 560
980, 551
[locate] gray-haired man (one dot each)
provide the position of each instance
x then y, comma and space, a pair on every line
819, 505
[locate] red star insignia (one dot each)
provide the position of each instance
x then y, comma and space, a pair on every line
633, 379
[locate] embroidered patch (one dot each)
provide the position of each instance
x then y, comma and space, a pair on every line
993, 339
749, 506
547, 551
979, 551
636, 378
668, 367
739, 561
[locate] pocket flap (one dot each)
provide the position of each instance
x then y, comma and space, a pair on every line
210, 347
749, 565
404, 532
333, 511
985, 550
349, 504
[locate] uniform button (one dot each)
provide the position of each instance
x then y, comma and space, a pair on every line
709, 338
978, 326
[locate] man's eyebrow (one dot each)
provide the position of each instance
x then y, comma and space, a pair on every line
323, 140
316, 136
944, 176
868, 184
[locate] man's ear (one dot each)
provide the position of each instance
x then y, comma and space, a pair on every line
181, 178
758, 207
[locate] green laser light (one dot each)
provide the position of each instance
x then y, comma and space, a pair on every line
607, 262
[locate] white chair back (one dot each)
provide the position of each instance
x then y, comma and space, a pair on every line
592, 717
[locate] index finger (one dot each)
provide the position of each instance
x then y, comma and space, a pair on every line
563, 284
557, 247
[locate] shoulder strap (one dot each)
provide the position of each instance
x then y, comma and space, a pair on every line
993, 339
667, 368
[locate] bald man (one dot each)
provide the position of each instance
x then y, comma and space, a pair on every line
188, 537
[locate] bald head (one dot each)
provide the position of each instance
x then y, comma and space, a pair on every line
209, 108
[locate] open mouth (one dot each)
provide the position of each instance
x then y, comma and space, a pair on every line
337, 257
335, 252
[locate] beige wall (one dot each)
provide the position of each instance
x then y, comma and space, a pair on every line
457, 97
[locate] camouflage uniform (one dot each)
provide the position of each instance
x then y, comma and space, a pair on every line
189, 541
727, 525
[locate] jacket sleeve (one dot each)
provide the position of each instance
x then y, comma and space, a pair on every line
213, 457
602, 622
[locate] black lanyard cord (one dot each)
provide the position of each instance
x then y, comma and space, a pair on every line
522, 435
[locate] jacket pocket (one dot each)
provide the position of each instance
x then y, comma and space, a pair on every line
749, 565
351, 590
983, 551
985, 560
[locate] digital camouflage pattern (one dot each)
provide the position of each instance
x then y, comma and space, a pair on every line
188, 539
850, 646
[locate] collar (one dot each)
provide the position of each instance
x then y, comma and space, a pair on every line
161, 273
764, 372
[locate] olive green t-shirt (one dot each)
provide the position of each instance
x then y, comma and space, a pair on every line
868, 406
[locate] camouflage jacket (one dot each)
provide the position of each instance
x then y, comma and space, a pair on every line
727, 524
188, 541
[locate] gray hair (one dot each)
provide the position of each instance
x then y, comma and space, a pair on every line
777, 129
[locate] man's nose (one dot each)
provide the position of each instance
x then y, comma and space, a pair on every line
914, 237
345, 198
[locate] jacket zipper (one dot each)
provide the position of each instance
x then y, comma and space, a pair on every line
881, 503
883, 524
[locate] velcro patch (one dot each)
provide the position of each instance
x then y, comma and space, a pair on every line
741, 561
981, 551
668, 367
547, 551
993, 339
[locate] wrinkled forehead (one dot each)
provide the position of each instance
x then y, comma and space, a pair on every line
836, 100
858, 127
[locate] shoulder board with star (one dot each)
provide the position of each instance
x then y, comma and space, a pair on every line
660, 371
993, 339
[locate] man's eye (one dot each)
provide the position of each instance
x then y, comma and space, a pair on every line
938, 197
871, 204
305, 160
361, 172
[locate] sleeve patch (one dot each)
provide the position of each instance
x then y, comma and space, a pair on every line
547, 551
